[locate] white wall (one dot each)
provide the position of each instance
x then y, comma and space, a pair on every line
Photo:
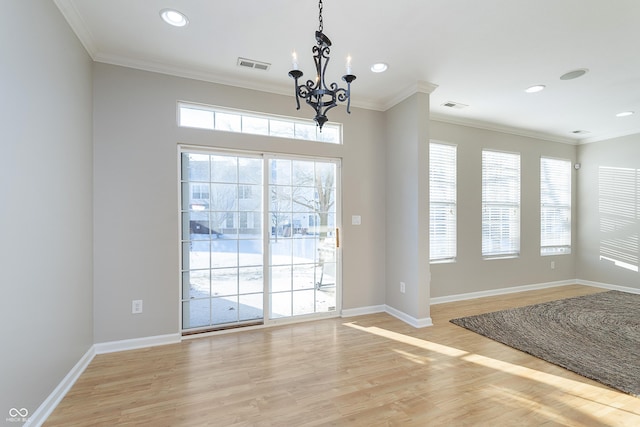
136, 192
592, 231
45, 191
470, 273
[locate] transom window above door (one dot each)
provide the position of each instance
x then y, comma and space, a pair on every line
230, 120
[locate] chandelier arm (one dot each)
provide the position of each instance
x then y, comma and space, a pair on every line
345, 95
310, 85
342, 94
304, 91
295, 75
297, 101
348, 78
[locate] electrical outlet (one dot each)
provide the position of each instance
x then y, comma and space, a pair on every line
136, 306
402, 287
553, 265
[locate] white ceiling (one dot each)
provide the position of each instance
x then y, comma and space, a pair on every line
482, 53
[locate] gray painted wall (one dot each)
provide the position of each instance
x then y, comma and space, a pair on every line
46, 215
470, 273
615, 153
136, 192
407, 225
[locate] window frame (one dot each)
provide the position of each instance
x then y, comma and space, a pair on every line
499, 221
448, 205
238, 121
562, 209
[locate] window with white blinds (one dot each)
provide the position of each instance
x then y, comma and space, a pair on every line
500, 204
442, 202
555, 206
619, 211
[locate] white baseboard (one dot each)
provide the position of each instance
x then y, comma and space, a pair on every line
501, 291
361, 311
46, 408
40, 415
416, 323
135, 343
608, 286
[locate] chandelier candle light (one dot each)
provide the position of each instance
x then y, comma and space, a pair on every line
318, 95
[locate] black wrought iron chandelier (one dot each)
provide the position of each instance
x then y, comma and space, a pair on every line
318, 95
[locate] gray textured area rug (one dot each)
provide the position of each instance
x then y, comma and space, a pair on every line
596, 336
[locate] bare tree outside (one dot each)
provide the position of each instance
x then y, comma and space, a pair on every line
312, 194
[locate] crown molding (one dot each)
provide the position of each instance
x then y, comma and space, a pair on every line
78, 25
478, 124
189, 73
610, 135
418, 87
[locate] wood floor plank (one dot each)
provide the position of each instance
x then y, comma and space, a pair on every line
371, 370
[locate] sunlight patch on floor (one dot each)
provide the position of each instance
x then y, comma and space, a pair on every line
416, 342
571, 388
420, 360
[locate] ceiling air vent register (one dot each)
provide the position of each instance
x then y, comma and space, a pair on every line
250, 63
456, 105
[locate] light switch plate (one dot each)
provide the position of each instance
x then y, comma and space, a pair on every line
136, 306
356, 220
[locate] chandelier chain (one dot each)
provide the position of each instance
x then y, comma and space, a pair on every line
320, 27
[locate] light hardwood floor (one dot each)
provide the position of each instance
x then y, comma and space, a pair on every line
371, 370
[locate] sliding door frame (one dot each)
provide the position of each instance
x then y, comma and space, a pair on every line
266, 236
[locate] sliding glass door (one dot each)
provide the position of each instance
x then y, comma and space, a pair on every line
259, 235
222, 247
304, 237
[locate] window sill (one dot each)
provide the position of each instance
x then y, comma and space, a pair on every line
443, 261
490, 258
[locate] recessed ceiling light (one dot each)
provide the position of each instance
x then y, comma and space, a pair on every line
536, 88
574, 74
625, 114
173, 17
379, 67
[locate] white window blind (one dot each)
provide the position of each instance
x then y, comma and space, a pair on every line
619, 209
555, 206
442, 202
500, 204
